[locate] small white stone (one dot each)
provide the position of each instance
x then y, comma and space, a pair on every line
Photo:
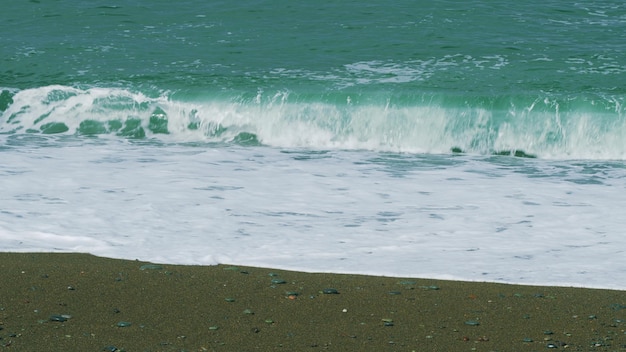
345, 310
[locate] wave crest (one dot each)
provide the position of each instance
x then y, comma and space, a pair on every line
542, 127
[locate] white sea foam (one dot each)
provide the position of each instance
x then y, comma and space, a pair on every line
472, 218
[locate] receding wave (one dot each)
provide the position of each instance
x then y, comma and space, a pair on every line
540, 126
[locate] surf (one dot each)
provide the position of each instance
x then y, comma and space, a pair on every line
544, 127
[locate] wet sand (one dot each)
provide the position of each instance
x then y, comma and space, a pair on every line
79, 302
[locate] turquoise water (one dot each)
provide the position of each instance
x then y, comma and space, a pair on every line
541, 78
480, 140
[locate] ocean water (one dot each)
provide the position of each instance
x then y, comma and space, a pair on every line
471, 140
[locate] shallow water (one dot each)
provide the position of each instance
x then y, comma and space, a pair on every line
446, 216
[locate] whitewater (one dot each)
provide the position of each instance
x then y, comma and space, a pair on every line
203, 199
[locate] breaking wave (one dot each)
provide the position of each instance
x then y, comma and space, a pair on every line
531, 126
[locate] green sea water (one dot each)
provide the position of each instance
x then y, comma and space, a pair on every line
535, 78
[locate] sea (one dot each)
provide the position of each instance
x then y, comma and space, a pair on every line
480, 140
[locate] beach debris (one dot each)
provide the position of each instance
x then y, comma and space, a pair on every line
387, 321
123, 324
214, 327
230, 300
278, 281
110, 349
472, 322
248, 312
330, 291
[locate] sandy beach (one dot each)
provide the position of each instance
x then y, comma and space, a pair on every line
79, 302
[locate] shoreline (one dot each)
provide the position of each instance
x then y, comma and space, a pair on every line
77, 301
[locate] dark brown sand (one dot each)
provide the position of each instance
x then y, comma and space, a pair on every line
225, 308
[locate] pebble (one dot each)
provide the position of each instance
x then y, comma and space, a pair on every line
278, 281
472, 323
151, 267
330, 291
59, 318
123, 324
